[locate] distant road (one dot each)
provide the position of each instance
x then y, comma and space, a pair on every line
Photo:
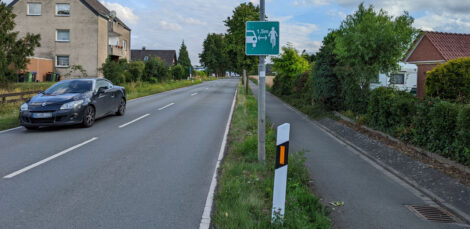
151, 168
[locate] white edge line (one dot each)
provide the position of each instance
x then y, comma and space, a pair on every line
135, 120
16, 128
206, 215
9, 176
169, 105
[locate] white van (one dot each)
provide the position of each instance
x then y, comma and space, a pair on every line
405, 80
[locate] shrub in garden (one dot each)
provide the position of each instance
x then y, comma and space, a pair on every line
114, 70
443, 127
450, 80
177, 72
155, 68
463, 136
135, 71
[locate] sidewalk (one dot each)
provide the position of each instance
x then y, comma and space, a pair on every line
373, 197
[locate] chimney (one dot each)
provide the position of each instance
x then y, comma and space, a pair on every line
143, 48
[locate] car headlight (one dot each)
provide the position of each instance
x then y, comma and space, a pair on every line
71, 105
24, 107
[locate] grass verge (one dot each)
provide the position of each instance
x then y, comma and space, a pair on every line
9, 112
244, 195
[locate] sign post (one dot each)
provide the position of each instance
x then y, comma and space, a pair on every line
280, 173
262, 39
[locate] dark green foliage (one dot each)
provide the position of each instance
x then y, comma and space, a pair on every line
183, 59
135, 71
443, 127
177, 72
463, 135
288, 66
155, 70
114, 71
235, 38
214, 55
326, 85
390, 110
14, 51
450, 80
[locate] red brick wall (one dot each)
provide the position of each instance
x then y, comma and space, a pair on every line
422, 69
41, 66
425, 52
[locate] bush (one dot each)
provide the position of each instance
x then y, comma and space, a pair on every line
463, 136
114, 71
135, 71
155, 68
177, 72
450, 80
283, 85
443, 127
390, 110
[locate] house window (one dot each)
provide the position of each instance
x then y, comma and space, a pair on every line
63, 10
63, 61
63, 35
397, 79
124, 44
34, 9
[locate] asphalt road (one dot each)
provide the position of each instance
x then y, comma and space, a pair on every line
372, 198
151, 168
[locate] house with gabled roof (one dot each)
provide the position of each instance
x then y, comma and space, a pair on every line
433, 48
73, 32
168, 56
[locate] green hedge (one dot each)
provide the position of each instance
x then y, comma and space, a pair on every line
438, 125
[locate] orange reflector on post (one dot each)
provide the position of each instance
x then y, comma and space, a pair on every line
282, 156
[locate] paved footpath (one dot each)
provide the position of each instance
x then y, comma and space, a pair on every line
373, 197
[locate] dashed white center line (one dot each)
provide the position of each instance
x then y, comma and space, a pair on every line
47, 159
135, 120
207, 88
169, 105
194, 94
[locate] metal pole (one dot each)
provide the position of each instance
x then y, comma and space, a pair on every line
261, 97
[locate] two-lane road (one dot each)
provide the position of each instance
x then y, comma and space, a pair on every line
151, 168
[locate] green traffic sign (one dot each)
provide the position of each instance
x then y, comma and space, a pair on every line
262, 38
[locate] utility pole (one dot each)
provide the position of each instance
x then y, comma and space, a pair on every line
262, 96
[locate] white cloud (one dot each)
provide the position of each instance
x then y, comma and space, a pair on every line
298, 34
191, 21
124, 13
444, 23
170, 26
314, 2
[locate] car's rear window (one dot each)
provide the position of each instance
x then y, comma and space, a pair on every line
70, 86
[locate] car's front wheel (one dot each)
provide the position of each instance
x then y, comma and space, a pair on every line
122, 107
89, 117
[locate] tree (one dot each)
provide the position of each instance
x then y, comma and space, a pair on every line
370, 42
289, 67
325, 82
155, 70
214, 55
236, 37
13, 51
183, 59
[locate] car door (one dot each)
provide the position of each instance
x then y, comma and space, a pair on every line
114, 98
102, 100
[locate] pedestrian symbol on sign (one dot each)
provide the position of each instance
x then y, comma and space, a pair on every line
273, 35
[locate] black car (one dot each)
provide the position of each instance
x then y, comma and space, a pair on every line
70, 102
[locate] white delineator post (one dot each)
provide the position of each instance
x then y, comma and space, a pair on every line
280, 173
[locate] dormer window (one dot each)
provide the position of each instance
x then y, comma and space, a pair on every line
63, 9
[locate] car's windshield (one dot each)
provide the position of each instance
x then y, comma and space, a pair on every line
72, 86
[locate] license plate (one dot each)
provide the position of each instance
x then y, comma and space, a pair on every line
42, 115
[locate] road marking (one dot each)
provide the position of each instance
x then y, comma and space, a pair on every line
194, 94
207, 88
135, 120
169, 105
47, 159
206, 215
16, 128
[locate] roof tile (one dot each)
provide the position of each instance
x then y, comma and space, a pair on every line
450, 45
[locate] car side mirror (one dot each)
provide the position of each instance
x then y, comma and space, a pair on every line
101, 90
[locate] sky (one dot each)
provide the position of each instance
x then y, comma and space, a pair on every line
164, 24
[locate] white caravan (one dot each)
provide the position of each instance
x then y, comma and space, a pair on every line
405, 80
